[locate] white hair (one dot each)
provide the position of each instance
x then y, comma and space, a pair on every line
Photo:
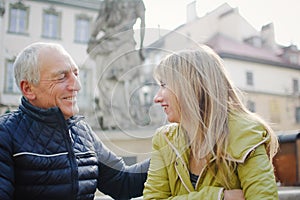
26, 65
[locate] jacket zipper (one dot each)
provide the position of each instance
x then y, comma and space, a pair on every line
71, 156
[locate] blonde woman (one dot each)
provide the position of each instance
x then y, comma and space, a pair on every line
213, 145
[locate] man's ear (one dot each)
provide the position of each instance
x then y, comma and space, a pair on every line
26, 89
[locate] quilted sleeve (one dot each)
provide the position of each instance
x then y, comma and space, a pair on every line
257, 176
115, 178
157, 184
6, 162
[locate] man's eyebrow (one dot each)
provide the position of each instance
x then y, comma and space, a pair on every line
64, 71
59, 72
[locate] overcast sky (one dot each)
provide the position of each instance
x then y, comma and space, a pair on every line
285, 15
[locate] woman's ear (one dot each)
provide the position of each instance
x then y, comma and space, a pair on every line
26, 89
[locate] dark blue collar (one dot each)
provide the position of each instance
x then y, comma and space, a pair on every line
49, 116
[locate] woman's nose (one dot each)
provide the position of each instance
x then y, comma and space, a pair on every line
157, 98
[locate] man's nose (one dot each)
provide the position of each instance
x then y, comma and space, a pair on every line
74, 83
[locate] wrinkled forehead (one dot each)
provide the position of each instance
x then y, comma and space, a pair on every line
54, 53
52, 58
52, 50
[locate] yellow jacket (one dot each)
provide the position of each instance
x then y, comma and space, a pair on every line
168, 176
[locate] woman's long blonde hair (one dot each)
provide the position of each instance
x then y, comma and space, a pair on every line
205, 97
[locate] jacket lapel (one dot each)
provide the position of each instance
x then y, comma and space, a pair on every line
183, 173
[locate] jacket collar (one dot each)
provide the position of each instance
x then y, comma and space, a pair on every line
49, 116
179, 144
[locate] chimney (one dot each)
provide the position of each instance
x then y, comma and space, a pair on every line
268, 36
191, 13
291, 54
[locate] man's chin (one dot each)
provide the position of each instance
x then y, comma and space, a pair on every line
71, 113
75, 110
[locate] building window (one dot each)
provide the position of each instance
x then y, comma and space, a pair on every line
10, 84
297, 115
82, 29
295, 86
249, 78
294, 59
251, 106
18, 18
84, 82
275, 111
51, 24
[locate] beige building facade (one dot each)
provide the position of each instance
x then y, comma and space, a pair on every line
267, 73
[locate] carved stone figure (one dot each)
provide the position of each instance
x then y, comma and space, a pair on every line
113, 48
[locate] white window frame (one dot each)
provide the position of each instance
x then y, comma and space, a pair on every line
249, 78
18, 18
295, 86
51, 24
251, 106
10, 83
297, 115
82, 29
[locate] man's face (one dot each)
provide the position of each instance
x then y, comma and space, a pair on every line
59, 82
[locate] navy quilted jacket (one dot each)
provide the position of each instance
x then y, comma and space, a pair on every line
43, 156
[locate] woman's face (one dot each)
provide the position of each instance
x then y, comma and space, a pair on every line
168, 101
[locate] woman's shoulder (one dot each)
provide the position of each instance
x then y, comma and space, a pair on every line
167, 127
244, 136
167, 131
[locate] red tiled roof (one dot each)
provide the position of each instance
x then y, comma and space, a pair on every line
225, 45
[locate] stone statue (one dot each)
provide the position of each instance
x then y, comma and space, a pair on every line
113, 48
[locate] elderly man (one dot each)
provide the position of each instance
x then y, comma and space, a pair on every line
46, 150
